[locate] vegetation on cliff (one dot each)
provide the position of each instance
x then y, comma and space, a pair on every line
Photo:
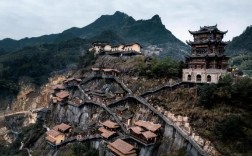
234, 132
165, 67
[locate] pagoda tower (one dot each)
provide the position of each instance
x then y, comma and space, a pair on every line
207, 62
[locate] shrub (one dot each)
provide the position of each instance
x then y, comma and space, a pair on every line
231, 129
207, 95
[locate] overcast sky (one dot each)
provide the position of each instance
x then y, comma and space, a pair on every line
31, 18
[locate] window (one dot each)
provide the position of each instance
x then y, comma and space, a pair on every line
198, 78
189, 78
208, 78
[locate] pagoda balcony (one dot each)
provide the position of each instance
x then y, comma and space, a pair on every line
210, 71
203, 75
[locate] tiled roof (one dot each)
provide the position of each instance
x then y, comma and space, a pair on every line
63, 127
106, 133
53, 133
148, 125
95, 69
110, 124
136, 129
50, 139
109, 70
122, 146
149, 134
58, 86
62, 94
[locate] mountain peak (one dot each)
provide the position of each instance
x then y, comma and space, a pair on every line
156, 18
119, 13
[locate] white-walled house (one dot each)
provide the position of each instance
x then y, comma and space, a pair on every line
132, 47
127, 49
107, 48
117, 47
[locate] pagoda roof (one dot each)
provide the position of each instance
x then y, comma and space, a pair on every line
205, 42
208, 29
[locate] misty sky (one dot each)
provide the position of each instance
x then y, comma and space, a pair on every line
31, 18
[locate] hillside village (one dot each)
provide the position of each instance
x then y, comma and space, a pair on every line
123, 128
104, 105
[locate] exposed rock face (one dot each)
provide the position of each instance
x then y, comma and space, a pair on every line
82, 117
31, 97
146, 151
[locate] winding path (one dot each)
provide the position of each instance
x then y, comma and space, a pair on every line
144, 102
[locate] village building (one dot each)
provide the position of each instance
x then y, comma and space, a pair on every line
119, 47
112, 126
119, 93
57, 88
72, 81
148, 125
207, 62
96, 71
147, 137
98, 46
136, 47
76, 101
122, 148
61, 97
107, 134
54, 137
116, 50
107, 47
63, 128
110, 72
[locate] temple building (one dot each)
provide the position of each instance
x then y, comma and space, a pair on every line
207, 62
120, 49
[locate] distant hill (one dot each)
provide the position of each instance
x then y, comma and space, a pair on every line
240, 50
115, 28
241, 44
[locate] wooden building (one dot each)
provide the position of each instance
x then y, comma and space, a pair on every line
112, 126
110, 72
207, 62
61, 97
72, 81
54, 137
57, 88
119, 93
107, 134
147, 137
96, 71
122, 148
148, 125
76, 101
63, 128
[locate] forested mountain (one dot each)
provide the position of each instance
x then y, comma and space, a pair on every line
116, 28
240, 50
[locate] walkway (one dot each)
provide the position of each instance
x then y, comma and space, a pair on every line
141, 100
167, 86
107, 109
10, 113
